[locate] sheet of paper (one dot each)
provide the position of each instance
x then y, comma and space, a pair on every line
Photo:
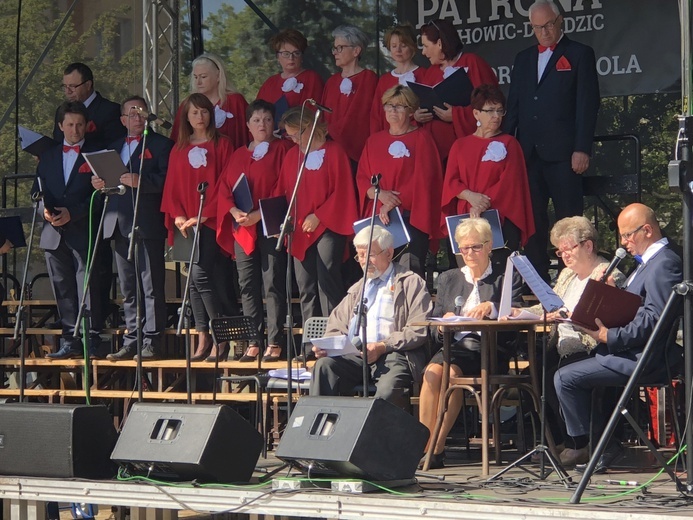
525, 315
453, 319
505, 306
548, 299
335, 345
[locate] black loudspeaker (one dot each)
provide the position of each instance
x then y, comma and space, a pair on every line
368, 439
210, 443
56, 440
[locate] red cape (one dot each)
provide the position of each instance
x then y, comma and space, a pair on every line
262, 176
386, 81
180, 196
271, 89
328, 192
418, 178
349, 122
505, 181
463, 122
234, 128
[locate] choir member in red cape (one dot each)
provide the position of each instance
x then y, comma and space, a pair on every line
444, 49
199, 155
209, 78
240, 233
412, 176
401, 42
325, 212
349, 93
486, 170
295, 84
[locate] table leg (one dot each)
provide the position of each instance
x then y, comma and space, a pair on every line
485, 346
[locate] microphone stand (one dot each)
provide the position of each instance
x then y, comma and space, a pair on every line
134, 256
184, 310
85, 292
19, 320
287, 230
361, 310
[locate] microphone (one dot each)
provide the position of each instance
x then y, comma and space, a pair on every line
619, 255
321, 107
202, 187
153, 118
116, 190
459, 302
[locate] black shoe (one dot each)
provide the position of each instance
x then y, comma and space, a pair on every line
612, 453
65, 352
308, 356
123, 353
149, 353
437, 461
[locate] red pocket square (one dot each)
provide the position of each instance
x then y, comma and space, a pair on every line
563, 64
147, 154
91, 127
84, 168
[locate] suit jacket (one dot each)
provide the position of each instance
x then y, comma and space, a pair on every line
120, 209
75, 196
653, 283
104, 124
557, 114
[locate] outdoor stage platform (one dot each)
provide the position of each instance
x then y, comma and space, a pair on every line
462, 495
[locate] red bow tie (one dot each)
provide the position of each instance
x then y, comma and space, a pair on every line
133, 139
542, 48
67, 148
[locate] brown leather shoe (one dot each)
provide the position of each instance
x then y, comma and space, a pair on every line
570, 457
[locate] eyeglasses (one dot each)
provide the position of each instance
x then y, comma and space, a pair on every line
287, 54
465, 250
70, 88
337, 49
627, 236
548, 26
497, 111
134, 115
570, 250
360, 256
431, 22
388, 107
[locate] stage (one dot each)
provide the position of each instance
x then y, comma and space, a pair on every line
463, 494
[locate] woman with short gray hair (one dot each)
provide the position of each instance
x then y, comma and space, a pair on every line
349, 93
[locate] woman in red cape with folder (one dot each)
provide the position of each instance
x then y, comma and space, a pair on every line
199, 156
209, 78
240, 233
486, 170
444, 49
349, 93
401, 42
412, 176
325, 211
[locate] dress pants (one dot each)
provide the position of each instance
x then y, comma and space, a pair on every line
208, 297
556, 181
152, 274
319, 276
574, 384
339, 375
66, 268
413, 255
264, 268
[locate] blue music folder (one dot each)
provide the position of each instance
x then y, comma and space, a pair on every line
242, 196
396, 227
13, 231
493, 218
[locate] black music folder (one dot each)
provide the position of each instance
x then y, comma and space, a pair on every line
107, 165
273, 211
13, 230
33, 142
455, 90
182, 247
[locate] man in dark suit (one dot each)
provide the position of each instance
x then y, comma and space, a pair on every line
66, 183
618, 349
151, 151
552, 109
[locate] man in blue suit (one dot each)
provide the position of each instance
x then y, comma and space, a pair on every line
618, 349
151, 152
66, 183
552, 110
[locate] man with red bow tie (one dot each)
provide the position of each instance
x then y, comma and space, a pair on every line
64, 178
151, 152
552, 110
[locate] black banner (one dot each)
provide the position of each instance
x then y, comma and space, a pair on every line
636, 42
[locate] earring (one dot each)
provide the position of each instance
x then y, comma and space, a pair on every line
478, 123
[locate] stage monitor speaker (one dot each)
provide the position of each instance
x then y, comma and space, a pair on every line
210, 443
56, 440
368, 439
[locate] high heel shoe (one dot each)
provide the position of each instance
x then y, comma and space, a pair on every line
273, 353
204, 347
251, 353
221, 352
